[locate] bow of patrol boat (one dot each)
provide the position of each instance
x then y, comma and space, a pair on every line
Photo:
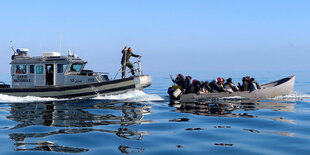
142, 81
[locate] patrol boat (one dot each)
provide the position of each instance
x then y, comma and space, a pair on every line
60, 76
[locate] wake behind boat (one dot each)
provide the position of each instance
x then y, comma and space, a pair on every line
59, 76
281, 87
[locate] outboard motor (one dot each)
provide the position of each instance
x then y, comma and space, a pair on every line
174, 92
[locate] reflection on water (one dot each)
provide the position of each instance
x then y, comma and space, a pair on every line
227, 108
82, 115
233, 108
128, 149
48, 146
65, 126
268, 132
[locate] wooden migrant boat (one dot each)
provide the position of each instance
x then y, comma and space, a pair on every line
281, 87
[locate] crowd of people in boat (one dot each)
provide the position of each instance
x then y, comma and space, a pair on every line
187, 85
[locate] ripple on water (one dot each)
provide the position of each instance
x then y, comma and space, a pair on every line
123, 124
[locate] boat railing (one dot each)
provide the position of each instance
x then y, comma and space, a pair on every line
88, 73
136, 67
93, 73
4, 85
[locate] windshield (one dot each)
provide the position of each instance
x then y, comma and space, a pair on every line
76, 67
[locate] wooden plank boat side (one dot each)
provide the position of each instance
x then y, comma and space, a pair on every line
284, 86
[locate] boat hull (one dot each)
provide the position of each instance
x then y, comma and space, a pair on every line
85, 90
281, 87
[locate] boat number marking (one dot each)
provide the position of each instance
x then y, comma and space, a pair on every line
75, 81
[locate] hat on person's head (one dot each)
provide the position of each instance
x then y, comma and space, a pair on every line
219, 80
229, 80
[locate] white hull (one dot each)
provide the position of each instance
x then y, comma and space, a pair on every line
85, 90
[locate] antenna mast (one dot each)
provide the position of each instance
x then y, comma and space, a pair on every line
60, 43
12, 47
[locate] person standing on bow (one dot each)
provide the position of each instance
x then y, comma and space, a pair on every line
127, 53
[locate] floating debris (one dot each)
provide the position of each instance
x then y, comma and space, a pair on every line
222, 127
194, 129
252, 130
179, 120
223, 144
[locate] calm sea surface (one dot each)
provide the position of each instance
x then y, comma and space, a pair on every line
148, 123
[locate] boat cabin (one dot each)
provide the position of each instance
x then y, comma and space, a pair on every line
51, 69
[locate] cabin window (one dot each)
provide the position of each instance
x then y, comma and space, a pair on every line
31, 69
39, 69
21, 69
76, 67
61, 68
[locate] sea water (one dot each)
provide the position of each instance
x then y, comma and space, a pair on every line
146, 122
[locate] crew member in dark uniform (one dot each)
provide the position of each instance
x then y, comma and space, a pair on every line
50, 76
127, 53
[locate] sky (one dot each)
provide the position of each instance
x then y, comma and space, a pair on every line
171, 36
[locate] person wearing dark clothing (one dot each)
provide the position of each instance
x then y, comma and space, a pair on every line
17, 70
230, 85
50, 76
195, 88
179, 80
170, 91
127, 53
220, 83
254, 85
245, 84
205, 87
215, 87
187, 84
